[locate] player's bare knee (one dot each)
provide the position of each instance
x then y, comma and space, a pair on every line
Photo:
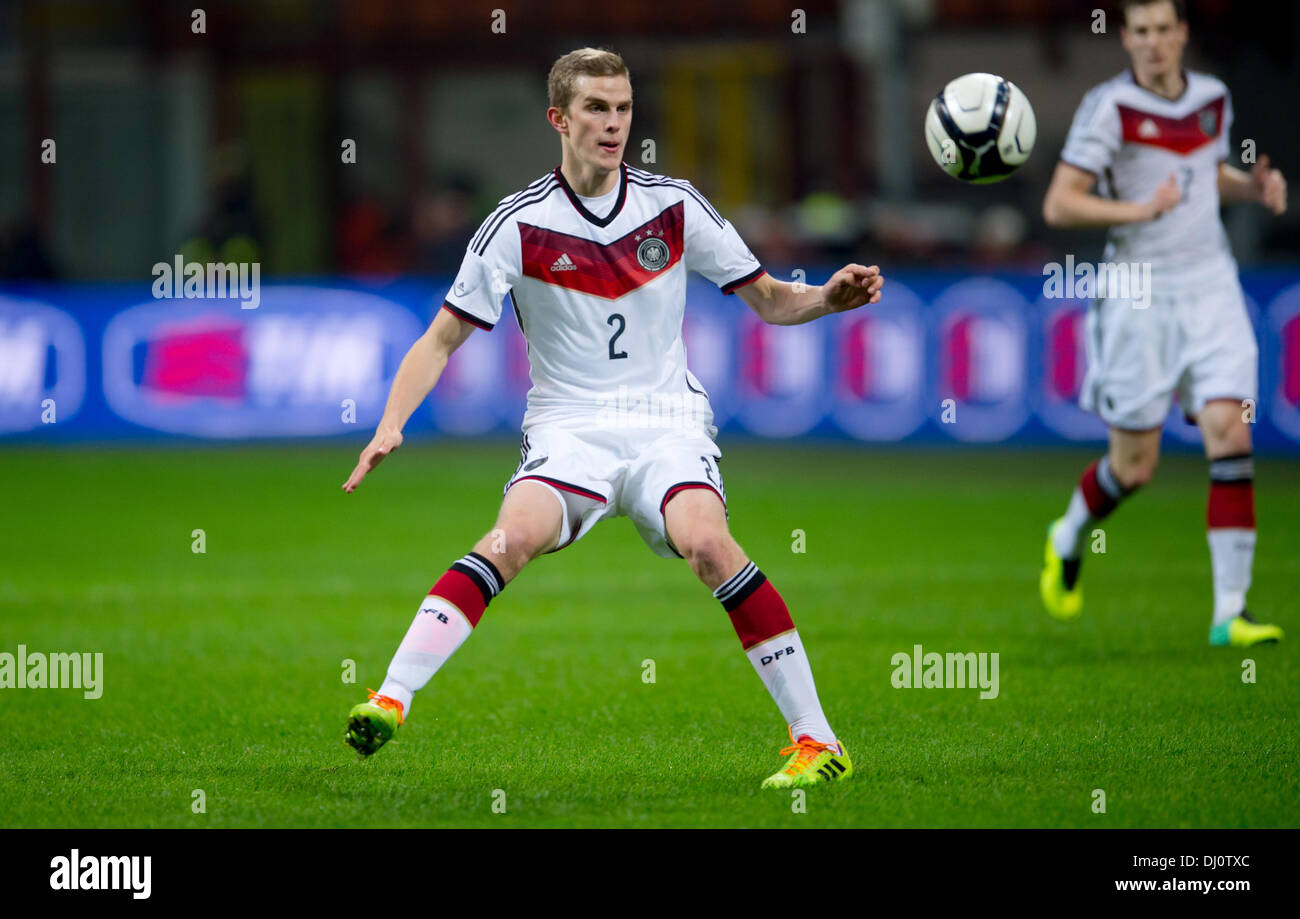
1224, 429
509, 548
522, 541
1142, 474
1229, 438
1236, 443
1134, 471
709, 554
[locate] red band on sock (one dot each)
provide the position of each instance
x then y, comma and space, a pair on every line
458, 588
1231, 504
1099, 503
761, 616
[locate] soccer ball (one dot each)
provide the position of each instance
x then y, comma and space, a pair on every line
980, 128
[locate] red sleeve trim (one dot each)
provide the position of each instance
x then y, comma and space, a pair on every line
732, 286
472, 320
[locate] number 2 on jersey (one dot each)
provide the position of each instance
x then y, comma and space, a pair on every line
622, 324
711, 469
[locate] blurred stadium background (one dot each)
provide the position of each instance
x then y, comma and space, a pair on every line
227, 144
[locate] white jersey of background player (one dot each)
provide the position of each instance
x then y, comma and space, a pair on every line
1146, 156
594, 256
1132, 140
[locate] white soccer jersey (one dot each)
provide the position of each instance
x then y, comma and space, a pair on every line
1132, 139
600, 298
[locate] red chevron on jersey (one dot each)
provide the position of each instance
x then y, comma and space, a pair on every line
611, 270
1180, 135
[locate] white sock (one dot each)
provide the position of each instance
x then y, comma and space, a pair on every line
1069, 533
1232, 553
1068, 537
438, 630
784, 669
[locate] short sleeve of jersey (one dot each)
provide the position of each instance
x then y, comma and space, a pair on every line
1095, 133
1224, 145
487, 273
713, 247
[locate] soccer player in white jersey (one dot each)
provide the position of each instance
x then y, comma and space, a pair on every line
1146, 156
594, 255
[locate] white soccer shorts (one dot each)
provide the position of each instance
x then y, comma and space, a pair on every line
1198, 345
599, 472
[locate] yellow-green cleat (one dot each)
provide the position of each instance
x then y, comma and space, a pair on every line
372, 724
1063, 603
1242, 631
811, 762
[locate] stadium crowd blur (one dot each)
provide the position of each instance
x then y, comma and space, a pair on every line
809, 141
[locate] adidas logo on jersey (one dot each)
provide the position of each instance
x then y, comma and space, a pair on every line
564, 263
1148, 129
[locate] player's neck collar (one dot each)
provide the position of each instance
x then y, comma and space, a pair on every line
581, 209
1187, 84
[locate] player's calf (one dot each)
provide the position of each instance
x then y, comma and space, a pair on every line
695, 521
529, 523
1230, 524
444, 621
1230, 532
1097, 495
773, 646
1104, 485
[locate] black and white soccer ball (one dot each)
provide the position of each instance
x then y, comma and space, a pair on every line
980, 128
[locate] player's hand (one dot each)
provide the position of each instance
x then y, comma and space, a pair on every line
382, 444
852, 286
1270, 185
1165, 198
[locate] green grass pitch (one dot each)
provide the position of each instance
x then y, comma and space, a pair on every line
223, 670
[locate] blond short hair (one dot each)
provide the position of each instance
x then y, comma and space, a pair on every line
562, 83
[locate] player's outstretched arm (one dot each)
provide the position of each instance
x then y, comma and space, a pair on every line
1070, 203
415, 379
782, 303
1262, 185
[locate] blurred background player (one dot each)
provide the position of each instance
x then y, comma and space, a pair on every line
595, 255
1145, 157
